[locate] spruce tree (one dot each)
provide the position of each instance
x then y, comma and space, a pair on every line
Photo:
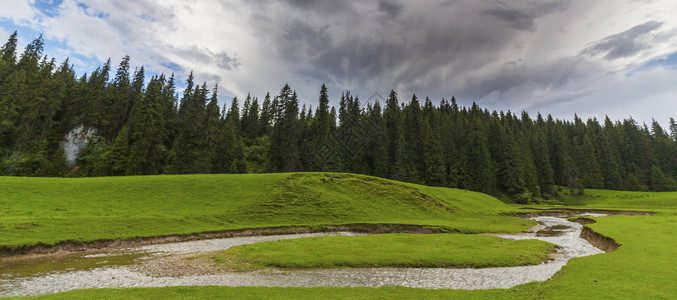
393, 125
187, 154
284, 147
479, 168
148, 132
414, 141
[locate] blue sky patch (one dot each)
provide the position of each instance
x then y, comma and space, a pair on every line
48, 7
172, 66
90, 12
669, 61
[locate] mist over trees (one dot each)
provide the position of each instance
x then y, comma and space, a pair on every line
144, 128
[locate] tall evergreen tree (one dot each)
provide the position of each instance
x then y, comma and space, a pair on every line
187, 154
148, 132
479, 174
284, 147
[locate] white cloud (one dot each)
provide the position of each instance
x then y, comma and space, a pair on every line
19, 11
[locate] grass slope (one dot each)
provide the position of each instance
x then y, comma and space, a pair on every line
386, 250
50, 210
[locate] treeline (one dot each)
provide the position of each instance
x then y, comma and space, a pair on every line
148, 128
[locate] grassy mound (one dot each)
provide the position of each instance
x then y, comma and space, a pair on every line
386, 250
50, 210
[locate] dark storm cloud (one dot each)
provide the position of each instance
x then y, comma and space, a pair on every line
391, 8
374, 54
516, 18
302, 40
424, 46
475, 50
522, 18
322, 6
511, 77
624, 44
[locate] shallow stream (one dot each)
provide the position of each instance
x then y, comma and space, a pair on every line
117, 269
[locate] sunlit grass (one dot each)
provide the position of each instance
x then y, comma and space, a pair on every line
50, 210
385, 250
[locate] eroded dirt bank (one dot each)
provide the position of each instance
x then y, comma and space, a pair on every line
66, 247
605, 243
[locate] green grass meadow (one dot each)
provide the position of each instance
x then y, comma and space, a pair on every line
386, 250
609, 199
49, 210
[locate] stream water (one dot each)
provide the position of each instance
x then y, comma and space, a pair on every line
119, 269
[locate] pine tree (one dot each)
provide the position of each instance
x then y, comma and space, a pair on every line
414, 135
187, 154
393, 124
636, 154
505, 152
116, 104
8, 51
322, 155
435, 173
591, 173
376, 154
96, 95
233, 115
265, 122
250, 120
214, 136
560, 160
320, 125
148, 130
660, 182
284, 147
478, 170
608, 157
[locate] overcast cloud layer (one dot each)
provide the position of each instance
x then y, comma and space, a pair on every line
558, 57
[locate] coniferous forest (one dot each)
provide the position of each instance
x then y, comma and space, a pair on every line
133, 127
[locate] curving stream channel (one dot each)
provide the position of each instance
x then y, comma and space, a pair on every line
117, 269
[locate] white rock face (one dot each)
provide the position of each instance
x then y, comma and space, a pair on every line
74, 141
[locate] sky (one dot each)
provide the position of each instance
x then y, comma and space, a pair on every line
593, 58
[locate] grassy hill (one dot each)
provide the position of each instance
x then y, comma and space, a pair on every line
50, 210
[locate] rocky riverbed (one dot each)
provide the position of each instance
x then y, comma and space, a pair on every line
147, 266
